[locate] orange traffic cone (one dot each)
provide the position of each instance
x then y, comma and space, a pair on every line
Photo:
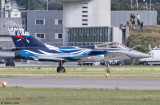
107, 75
4, 84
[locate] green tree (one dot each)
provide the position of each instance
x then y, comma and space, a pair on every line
52, 5
115, 5
124, 5
31, 4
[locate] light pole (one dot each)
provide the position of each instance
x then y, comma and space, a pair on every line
47, 5
150, 11
150, 5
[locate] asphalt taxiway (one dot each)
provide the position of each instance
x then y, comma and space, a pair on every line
80, 83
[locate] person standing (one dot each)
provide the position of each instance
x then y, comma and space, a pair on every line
138, 19
141, 26
132, 19
133, 23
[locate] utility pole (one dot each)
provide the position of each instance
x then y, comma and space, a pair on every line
2, 8
150, 5
47, 5
28, 4
150, 10
137, 3
134, 3
131, 4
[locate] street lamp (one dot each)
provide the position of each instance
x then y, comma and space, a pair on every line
150, 4
47, 5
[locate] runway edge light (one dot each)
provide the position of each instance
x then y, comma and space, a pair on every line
4, 84
107, 75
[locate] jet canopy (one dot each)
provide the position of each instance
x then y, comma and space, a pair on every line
111, 45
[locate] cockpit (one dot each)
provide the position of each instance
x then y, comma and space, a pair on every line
110, 45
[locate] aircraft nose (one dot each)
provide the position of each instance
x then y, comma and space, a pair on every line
138, 55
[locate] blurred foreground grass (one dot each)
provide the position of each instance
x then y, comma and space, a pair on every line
39, 96
122, 72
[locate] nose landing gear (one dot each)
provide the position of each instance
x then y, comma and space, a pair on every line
108, 70
108, 67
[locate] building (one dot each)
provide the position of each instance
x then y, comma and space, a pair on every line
90, 19
9, 12
81, 36
46, 25
9, 9
5, 39
49, 29
77, 13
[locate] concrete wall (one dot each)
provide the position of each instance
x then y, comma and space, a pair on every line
72, 14
49, 28
117, 35
99, 13
119, 17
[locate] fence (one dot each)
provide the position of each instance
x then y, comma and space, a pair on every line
121, 17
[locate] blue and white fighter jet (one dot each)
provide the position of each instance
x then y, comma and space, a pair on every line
30, 48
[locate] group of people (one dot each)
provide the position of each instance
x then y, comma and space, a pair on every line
133, 23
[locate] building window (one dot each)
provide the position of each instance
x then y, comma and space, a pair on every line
84, 2
84, 11
40, 21
57, 21
84, 7
40, 35
84, 19
58, 36
84, 24
84, 15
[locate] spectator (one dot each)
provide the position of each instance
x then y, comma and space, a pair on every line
138, 19
141, 26
132, 19
127, 23
133, 23
133, 16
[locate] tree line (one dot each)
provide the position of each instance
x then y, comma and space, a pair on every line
40, 4
125, 5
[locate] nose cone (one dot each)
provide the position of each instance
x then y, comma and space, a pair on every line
137, 55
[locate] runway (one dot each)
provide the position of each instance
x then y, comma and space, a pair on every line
80, 83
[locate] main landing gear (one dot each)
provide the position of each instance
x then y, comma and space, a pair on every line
60, 68
108, 67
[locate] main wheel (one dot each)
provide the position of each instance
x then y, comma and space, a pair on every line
7, 64
61, 70
145, 63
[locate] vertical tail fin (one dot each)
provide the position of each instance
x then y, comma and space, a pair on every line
23, 39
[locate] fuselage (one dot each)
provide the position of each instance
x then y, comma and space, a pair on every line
80, 54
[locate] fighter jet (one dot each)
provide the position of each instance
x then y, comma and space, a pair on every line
30, 48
